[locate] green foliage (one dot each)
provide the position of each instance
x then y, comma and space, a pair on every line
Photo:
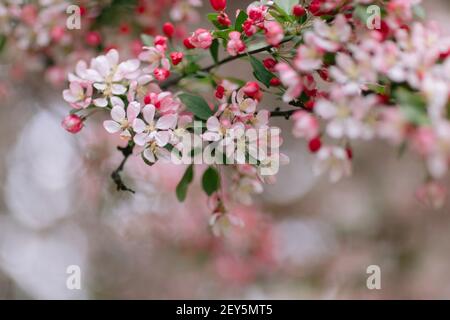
240, 21
260, 72
211, 181
412, 105
184, 183
197, 105
214, 50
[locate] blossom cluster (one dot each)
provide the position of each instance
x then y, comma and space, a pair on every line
343, 81
54, 34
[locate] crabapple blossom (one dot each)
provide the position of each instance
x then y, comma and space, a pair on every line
201, 38
305, 125
122, 120
147, 129
335, 161
79, 94
235, 44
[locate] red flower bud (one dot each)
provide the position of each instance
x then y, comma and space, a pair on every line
93, 38
218, 5
315, 144
72, 123
269, 63
298, 11
251, 89
187, 43
168, 29
176, 57
275, 82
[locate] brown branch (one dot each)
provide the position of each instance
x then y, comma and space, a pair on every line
116, 177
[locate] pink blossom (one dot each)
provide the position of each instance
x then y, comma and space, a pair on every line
235, 45
201, 38
335, 161
122, 120
274, 32
305, 125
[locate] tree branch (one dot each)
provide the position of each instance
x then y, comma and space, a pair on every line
171, 82
116, 177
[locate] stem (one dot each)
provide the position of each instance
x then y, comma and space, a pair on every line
171, 82
126, 152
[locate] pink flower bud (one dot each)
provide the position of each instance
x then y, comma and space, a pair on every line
218, 5
201, 38
93, 38
168, 29
176, 57
161, 74
72, 123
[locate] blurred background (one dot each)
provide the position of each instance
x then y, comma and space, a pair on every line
303, 238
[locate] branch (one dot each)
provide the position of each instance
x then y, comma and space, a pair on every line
126, 152
171, 82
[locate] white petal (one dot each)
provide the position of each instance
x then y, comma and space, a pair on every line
133, 110
141, 139
148, 154
118, 89
162, 138
101, 102
213, 124
138, 125
167, 122
118, 113
116, 101
149, 113
111, 126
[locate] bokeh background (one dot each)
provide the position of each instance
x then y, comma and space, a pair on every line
303, 239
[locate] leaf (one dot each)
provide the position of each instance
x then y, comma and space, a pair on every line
184, 183
197, 105
214, 49
211, 181
412, 105
286, 5
147, 40
260, 72
212, 17
2, 42
240, 21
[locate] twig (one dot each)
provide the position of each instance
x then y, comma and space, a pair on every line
171, 82
126, 152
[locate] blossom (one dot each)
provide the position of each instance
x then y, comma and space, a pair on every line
201, 38
349, 117
274, 32
147, 129
291, 80
107, 75
330, 37
235, 44
335, 161
155, 57
79, 94
305, 125
242, 105
122, 120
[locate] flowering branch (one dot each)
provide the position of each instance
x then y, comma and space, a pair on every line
174, 81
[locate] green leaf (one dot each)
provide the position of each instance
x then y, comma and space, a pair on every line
412, 105
222, 34
286, 5
240, 21
197, 105
211, 181
2, 42
184, 183
147, 40
260, 72
214, 49
212, 17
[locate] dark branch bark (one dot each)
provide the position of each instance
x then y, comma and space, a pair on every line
117, 178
